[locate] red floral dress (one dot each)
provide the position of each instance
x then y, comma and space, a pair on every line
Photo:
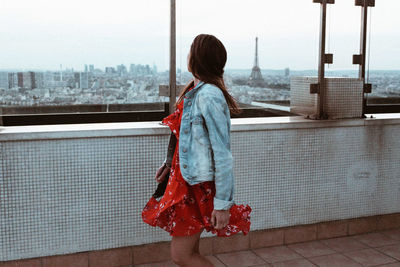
184, 209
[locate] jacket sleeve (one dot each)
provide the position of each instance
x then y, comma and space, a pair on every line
216, 115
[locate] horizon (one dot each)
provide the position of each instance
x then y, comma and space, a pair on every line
226, 69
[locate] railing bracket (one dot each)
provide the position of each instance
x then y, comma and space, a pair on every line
367, 88
328, 58
314, 88
362, 3
327, 1
357, 59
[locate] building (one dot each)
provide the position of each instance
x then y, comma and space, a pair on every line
12, 80
84, 80
81, 80
121, 70
55, 80
132, 69
110, 70
20, 78
4, 83
142, 70
91, 68
76, 80
287, 72
48, 79
26, 79
39, 80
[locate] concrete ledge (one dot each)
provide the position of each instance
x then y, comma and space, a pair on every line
62, 131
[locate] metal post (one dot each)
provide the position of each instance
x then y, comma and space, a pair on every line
363, 40
172, 58
323, 59
321, 63
361, 59
363, 50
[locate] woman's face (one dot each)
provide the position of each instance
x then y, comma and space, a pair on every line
188, 60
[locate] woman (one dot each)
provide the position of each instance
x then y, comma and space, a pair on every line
199, 194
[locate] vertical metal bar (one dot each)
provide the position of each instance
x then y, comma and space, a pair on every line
363, 44
363, 49
321, 65
172, 58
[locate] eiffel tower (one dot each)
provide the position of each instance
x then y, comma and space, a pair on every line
256, 79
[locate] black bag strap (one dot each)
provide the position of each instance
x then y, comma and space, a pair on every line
171, 149
172, 144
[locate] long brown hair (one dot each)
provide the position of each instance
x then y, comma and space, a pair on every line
207, 60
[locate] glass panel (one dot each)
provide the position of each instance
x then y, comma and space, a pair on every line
288, 42
288, 39
384, 64
343, 38
83, 56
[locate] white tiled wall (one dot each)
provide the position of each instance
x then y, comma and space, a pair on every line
343, 97
67, 195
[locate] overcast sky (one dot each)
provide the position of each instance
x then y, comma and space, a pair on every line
43, 34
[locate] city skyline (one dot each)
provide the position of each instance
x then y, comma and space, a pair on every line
103, 69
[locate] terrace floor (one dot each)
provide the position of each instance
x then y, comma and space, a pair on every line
380, 248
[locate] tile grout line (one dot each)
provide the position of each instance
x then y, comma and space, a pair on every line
132, 259
248, 243
397, 260
391, 229
215, 256
398, 241
303, 257
258, 256
367, 247
278, 246
351, 258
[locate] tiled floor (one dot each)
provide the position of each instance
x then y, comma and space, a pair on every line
373, 249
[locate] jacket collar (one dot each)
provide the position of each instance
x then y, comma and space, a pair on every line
191, 92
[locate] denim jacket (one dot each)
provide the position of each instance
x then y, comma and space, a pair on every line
204, 142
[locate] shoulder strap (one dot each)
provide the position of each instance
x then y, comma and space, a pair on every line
171, 149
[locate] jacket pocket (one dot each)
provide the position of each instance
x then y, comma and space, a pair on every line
199, 131
201, 161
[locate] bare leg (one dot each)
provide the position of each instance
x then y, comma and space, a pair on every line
197, 246
184, 251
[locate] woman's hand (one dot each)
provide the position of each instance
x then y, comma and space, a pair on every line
162, 173
220, 218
